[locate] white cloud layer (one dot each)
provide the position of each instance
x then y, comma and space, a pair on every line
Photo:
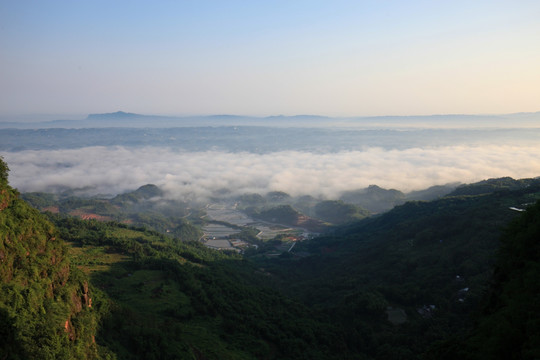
198, 175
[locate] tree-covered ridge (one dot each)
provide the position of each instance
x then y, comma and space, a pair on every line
142, 295
4, 171
401, 285
177, 300
410, 278
493, 185
337, 212
508, 326
283, 214
155, 208
45, 304
142, 207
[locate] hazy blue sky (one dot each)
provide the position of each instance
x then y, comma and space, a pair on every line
339, 58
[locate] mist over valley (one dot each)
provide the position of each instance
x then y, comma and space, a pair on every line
269, 180
197, 163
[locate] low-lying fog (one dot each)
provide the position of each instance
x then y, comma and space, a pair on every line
196, 162
200, 174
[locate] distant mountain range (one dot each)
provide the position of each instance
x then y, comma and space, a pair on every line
127, 119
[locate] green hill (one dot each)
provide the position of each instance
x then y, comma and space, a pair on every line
145, 192
85, 289
144, 207
507, 326
337, 212
174, 300
410, 278
492, 185
443, 279
47, 307
374, 198
281, 214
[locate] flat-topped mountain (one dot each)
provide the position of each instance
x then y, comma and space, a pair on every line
115, 115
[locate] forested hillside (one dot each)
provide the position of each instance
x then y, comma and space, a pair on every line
89, 289
47, 307
402, 282
451, 278
176, 300
507, 326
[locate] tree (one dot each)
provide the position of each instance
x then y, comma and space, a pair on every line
4, 170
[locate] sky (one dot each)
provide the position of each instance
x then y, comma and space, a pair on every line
260, 58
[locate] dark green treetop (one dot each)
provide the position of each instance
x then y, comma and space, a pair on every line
4, 170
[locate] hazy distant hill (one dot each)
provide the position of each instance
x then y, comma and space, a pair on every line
490, 185
127, 119
115, 115
374, 198
431, 193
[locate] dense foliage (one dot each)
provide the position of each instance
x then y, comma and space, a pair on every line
337, 212
428, 280
282, 214
176, 300
140, 295
374, 198
4, 171
46, 307
507, 326
142, 207
404, 281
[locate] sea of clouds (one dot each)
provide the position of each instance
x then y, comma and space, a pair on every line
200, 175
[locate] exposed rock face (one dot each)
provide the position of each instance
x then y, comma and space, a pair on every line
87, 301
80, 298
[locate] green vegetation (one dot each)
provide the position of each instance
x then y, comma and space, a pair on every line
4, 171
337, 212
281, 214
444, 279
145, 192
119, 292
40, 200
492, 185
278, 196
181, 300
374, 198
507, 326
432, 261
143, 207
45, 303
251, 200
